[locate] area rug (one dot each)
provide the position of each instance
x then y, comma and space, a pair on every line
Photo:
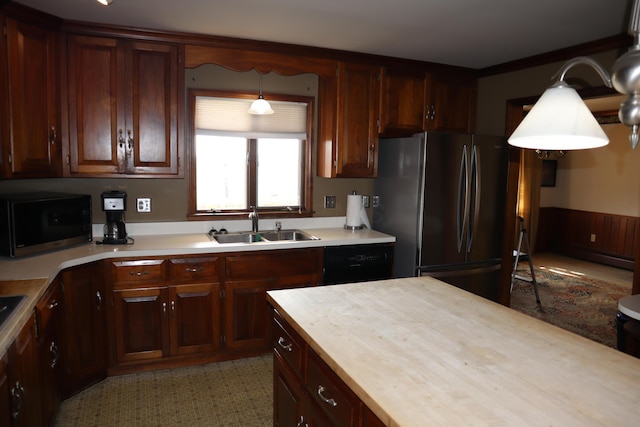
570, 300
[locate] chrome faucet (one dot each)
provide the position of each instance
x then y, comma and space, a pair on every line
254, 219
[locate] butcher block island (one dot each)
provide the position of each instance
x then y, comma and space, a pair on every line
416, 352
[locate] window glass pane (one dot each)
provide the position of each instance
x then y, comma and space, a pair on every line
279, 172
221, 172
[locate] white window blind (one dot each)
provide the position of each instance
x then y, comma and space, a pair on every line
230, 117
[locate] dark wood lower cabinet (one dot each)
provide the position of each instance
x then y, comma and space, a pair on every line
306, 392
5, 397
48, 318
84, 330
24, 381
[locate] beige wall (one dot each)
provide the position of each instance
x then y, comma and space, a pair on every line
169, 196
601, 180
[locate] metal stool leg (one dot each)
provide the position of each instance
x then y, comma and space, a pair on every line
523, 236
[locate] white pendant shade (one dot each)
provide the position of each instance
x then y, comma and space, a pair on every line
260, 106
560, 120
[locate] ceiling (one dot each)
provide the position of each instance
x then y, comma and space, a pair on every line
469, 33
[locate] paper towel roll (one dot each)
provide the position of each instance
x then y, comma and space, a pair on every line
356, 213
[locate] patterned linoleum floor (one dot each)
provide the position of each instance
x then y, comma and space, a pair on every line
232, 393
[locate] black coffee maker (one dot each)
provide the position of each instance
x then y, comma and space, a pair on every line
114, 203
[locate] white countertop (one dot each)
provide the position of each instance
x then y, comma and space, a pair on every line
420, 352
31, 275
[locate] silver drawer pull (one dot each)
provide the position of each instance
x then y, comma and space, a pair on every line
193, 269
138, 273
331, 402
53, 304
281, 343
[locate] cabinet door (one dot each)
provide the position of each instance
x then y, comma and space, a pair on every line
195, 318
247, 319
96, 112
357, 115
402, 102
84, 343
141, 324
48, 316
288, 396
152, 108
32, 144
24, 381
452, 103
5, 397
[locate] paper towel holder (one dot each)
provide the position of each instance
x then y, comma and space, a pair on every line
354, 227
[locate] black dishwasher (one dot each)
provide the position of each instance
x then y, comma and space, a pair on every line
357, 263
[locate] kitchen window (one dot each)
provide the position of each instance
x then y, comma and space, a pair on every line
239, 160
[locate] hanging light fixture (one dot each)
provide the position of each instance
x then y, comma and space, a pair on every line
260, 106
560, 120
105, 2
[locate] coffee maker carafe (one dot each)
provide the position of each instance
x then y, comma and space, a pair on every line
114, 204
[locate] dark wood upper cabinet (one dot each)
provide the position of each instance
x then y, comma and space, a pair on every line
348, 134
451, 102
402, 102
30, 119
124, 107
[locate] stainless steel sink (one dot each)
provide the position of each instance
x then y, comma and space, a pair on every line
266, 236
273, 236
242, 237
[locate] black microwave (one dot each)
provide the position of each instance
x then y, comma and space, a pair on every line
36, 222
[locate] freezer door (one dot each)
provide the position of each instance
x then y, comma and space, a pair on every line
480, 279
446, 206
488, 174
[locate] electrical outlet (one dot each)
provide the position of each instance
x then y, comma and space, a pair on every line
143, 204
329, 202
366, 201
593, 238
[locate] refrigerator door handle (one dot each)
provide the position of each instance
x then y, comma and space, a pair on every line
476, 187
462, 211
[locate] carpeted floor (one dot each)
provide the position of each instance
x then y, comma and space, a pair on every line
233, 393
571, 298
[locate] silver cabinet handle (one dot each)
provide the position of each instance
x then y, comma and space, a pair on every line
281, 343
129, 139
55, 354
301, 422
173, 308
53, 304
193, 269
18, 395
330, 402
164, 307
99, 299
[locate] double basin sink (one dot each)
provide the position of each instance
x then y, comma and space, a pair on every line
264, 236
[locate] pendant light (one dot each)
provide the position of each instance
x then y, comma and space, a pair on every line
560, 120
260, 106
105, 2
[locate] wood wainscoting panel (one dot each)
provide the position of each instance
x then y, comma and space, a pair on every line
593, 236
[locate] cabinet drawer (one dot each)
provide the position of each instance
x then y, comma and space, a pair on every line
49, 305
138, 272
288, 344
194, 270
274, 264
332, 395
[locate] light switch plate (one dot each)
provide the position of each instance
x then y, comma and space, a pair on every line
329, 202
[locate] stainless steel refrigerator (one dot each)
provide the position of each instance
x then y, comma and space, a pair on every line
443, 196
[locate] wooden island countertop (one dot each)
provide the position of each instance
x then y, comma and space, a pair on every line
420, 352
